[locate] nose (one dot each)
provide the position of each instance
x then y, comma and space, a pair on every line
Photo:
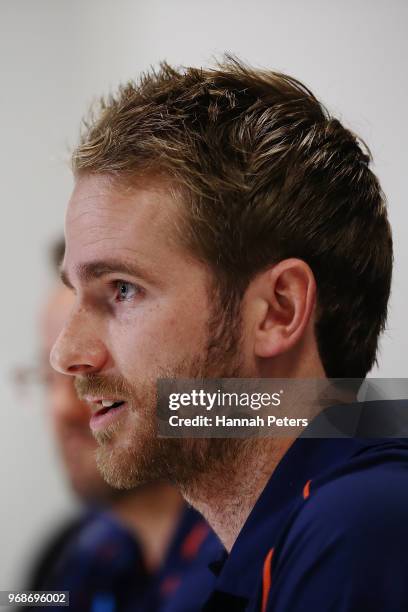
78, 348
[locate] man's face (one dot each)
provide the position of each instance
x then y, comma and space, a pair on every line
142, 311
68, 414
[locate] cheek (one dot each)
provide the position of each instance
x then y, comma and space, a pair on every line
158, 338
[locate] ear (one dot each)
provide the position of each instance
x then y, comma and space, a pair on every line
281, 302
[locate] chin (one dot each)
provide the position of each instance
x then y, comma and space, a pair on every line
118, 467
128, 463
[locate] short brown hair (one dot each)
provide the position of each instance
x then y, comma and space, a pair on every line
268, 174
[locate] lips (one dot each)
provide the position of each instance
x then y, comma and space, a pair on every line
105, 415
108, 405
101, 405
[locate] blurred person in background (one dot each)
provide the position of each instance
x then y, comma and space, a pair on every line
141, 549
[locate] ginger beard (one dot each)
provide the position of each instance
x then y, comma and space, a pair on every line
130, 452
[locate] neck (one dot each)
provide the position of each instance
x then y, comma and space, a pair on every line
151, 512
226, 497
226, 491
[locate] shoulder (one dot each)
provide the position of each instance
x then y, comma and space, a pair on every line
347, 540
52, 551
372, 485
365, 500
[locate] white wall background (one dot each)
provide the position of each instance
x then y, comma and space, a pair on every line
55, 57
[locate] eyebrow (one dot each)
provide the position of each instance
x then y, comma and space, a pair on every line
94, 270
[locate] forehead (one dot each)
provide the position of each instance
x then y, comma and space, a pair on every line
105, 220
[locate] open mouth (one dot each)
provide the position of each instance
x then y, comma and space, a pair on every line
107, 415
107, 406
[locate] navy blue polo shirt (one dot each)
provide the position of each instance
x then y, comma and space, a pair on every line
328, 533
184, 582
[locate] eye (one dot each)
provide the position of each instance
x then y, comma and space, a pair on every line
126, 291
